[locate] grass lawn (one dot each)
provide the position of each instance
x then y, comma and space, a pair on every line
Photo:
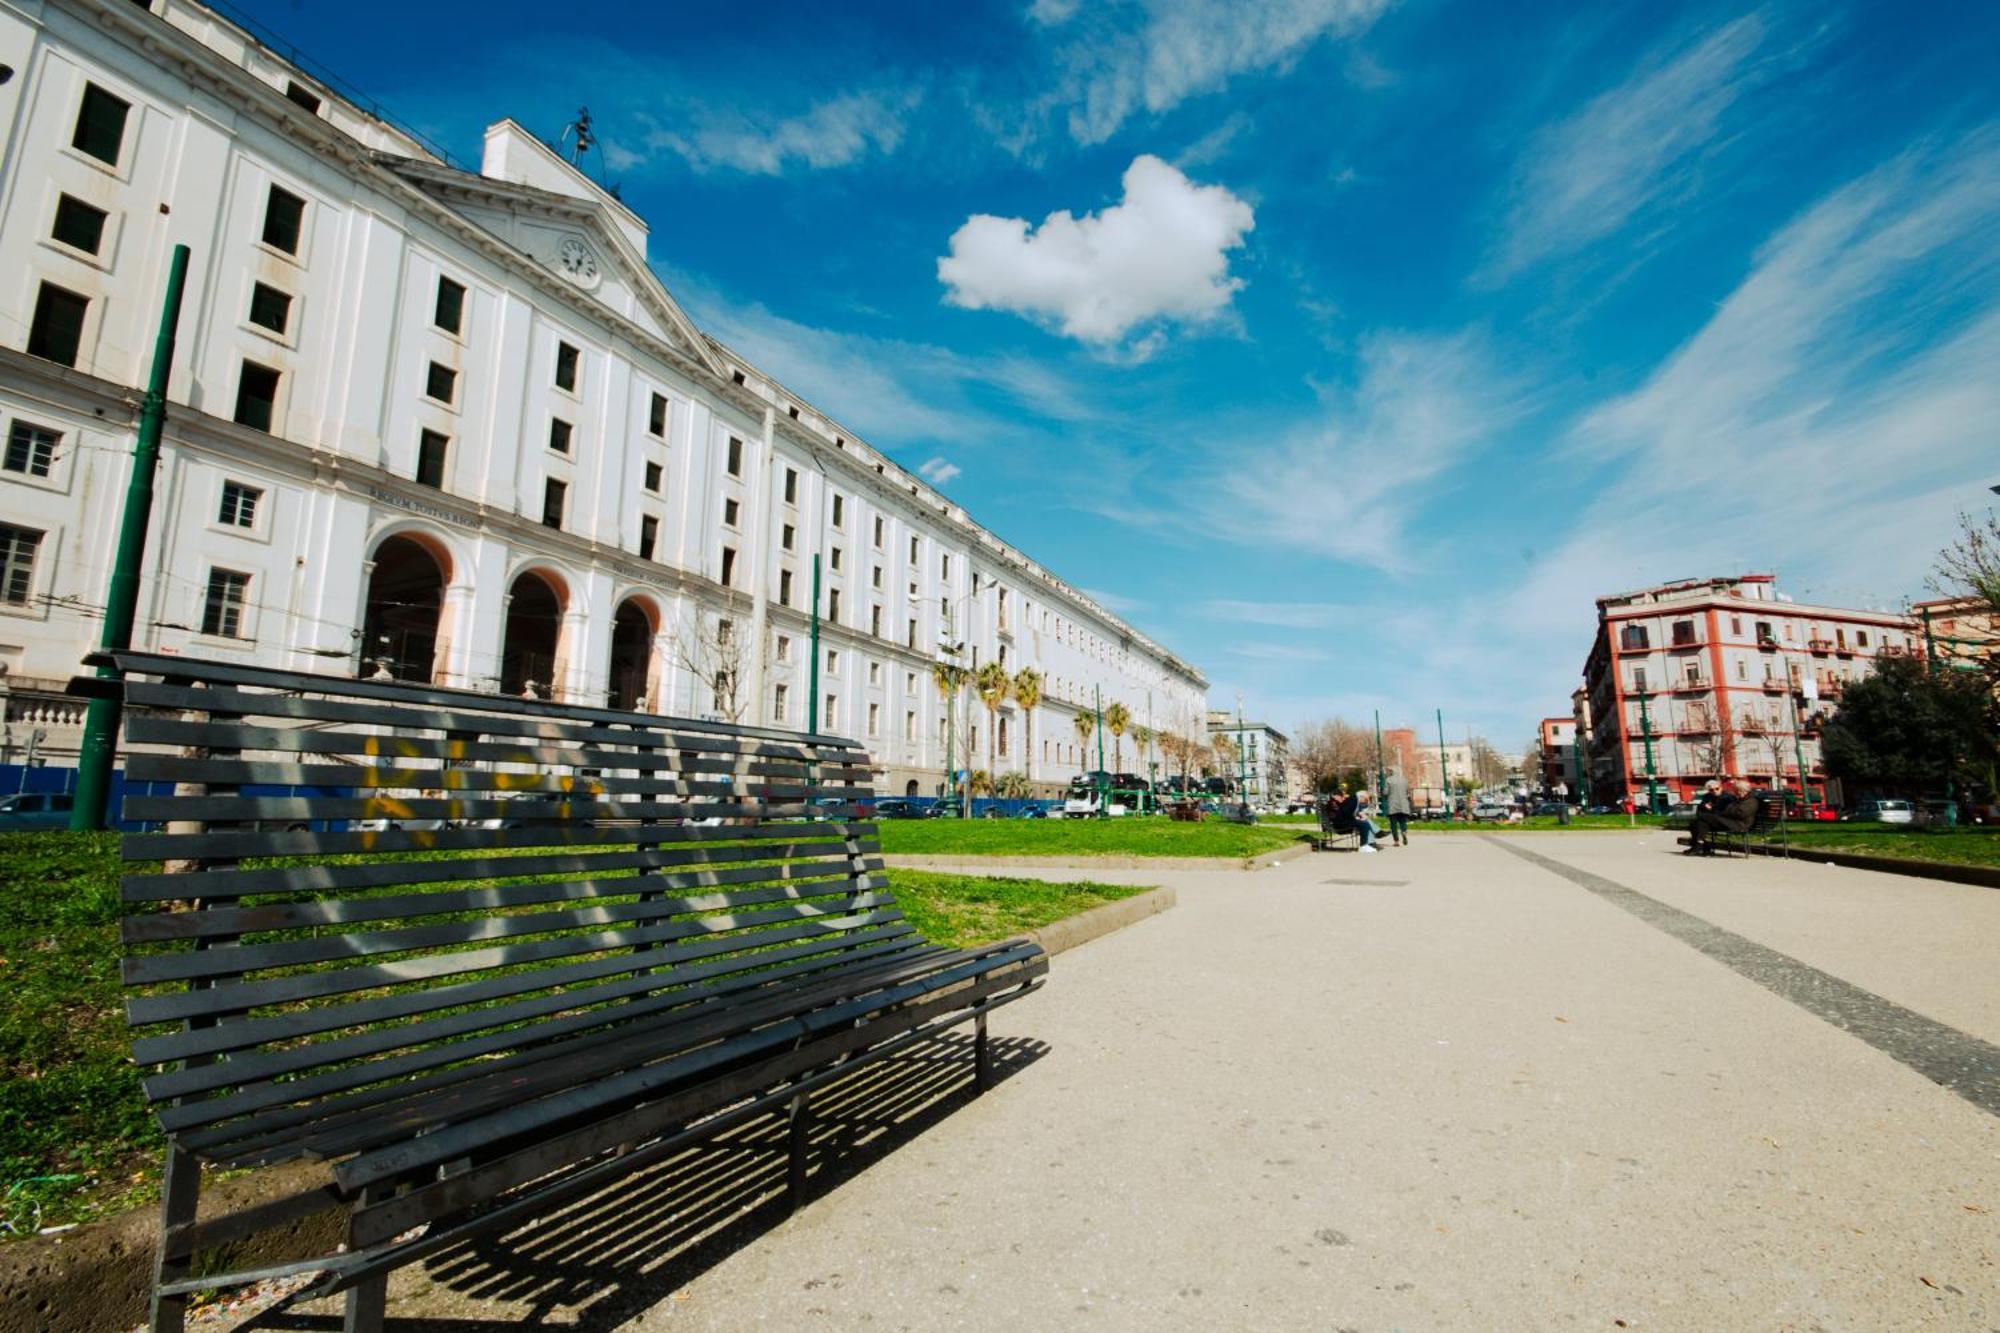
1955, 846
76, 1139
961, 910
1135, 835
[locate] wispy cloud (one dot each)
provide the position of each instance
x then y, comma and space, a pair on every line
938, 471
1583, 178
1160, 253
1114, 602
1282, 615
838, 132
1122, 56
1276, 652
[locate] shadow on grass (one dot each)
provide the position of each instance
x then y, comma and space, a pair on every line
597, 1264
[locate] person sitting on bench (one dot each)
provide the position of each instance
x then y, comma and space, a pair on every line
1734, 815
1343, 815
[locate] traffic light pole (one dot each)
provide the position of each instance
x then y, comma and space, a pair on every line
812, 671
1646, 734
1444, 768
121, 601
1381, 774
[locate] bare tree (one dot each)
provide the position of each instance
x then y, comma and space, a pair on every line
1327, 750
1701, 733
1970, 566
1489, 767
713, 652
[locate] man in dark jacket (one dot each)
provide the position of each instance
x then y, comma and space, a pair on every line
1734, 815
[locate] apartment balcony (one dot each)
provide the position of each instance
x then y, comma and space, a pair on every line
1821, 646
1766, 644
1690, 685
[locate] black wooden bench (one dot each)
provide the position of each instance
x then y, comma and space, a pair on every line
501, 964
1736, 842
1335, 833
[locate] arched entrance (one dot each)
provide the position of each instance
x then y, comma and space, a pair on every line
910, 787
631, 656
399, 621
528, 641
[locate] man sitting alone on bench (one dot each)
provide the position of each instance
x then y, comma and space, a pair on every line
1733, 815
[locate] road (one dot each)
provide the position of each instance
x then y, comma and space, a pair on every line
1510, 1082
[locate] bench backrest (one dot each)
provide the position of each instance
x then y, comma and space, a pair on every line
549, 878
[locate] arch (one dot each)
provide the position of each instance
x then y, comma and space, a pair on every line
402, 609
532, 632
910, 787
633, 628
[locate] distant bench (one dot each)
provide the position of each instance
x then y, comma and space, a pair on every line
550, 976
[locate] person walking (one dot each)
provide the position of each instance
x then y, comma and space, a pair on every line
1396, 800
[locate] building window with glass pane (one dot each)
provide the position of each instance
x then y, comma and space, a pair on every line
31, 449
222, 610
239, 504
18, 547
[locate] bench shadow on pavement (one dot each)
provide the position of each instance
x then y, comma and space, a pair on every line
598, 1263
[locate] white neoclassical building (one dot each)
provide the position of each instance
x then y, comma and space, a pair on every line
448, 425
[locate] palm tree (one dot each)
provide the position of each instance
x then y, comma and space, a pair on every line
994, 685
1086, 723
1012, 784
1143, 738
979, 782
1116, 718
948, 677
1028, 693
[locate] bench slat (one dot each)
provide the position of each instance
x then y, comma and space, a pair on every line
687, 845
152, 767
576, 808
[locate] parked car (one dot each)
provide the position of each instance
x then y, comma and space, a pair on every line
1552, 808
1884, 811
35, 809
1492, 811
901, 807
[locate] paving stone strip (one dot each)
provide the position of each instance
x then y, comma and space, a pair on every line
1952, 1059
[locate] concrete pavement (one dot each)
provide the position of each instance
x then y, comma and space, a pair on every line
1440, 1087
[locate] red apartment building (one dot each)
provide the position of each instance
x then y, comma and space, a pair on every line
1731, 679
1559, 753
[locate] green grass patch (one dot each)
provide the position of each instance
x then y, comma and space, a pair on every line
76, 1138
963, 910
1951, 846
1135, 835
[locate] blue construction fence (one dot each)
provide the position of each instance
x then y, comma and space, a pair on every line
54, 780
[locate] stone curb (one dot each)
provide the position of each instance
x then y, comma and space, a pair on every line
1084, 927
1084, 864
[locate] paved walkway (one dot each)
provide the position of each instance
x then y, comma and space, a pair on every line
1449, 1087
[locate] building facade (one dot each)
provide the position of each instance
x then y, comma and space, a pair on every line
1720, 678
1558, 752
447, 425
1264, 753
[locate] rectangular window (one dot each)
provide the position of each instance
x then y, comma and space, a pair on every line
875, 621
874, 673
100, 124
945, 567
910, 635
833, 604
1001, 736
913, 550
270, 308
778, 694
303, 95
78, 225
731, 510
56, 331
881, 531
791, 486
256, 396
1683, 633
786, 536
31, 449
839, 511
649, 536
1764, 634
1633, 638
559, 434
566, 357
652, 475
430, 459
656, 416
909, 725
735, 457
728, 566
833, 661
875, 578
784, 587
1861, 638
239, 505
554, 494
784, 648
1736, 626
17, 563
440, 382
284, 220
834, 555
874, 719
448, 311
829, 715
1742, 672
794, 410
1638, 680
222, 610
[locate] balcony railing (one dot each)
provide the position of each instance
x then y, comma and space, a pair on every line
1819, 645
1690, 685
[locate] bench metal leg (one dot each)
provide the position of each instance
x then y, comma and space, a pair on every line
799, 1114
367, 1303
180, 1193
982, 1055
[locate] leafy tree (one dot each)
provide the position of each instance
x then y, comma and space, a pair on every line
1028, 693
994, 685
1013, 784
1908, 730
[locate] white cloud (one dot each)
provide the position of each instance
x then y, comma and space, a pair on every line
1114, 602
1157, 53
1581, 179
833, 133
938, 471
1276, 652
1283, 615
1161, 253
1050, 13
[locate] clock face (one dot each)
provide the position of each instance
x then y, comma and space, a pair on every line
578, 264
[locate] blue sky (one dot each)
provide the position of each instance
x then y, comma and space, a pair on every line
1349, 347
